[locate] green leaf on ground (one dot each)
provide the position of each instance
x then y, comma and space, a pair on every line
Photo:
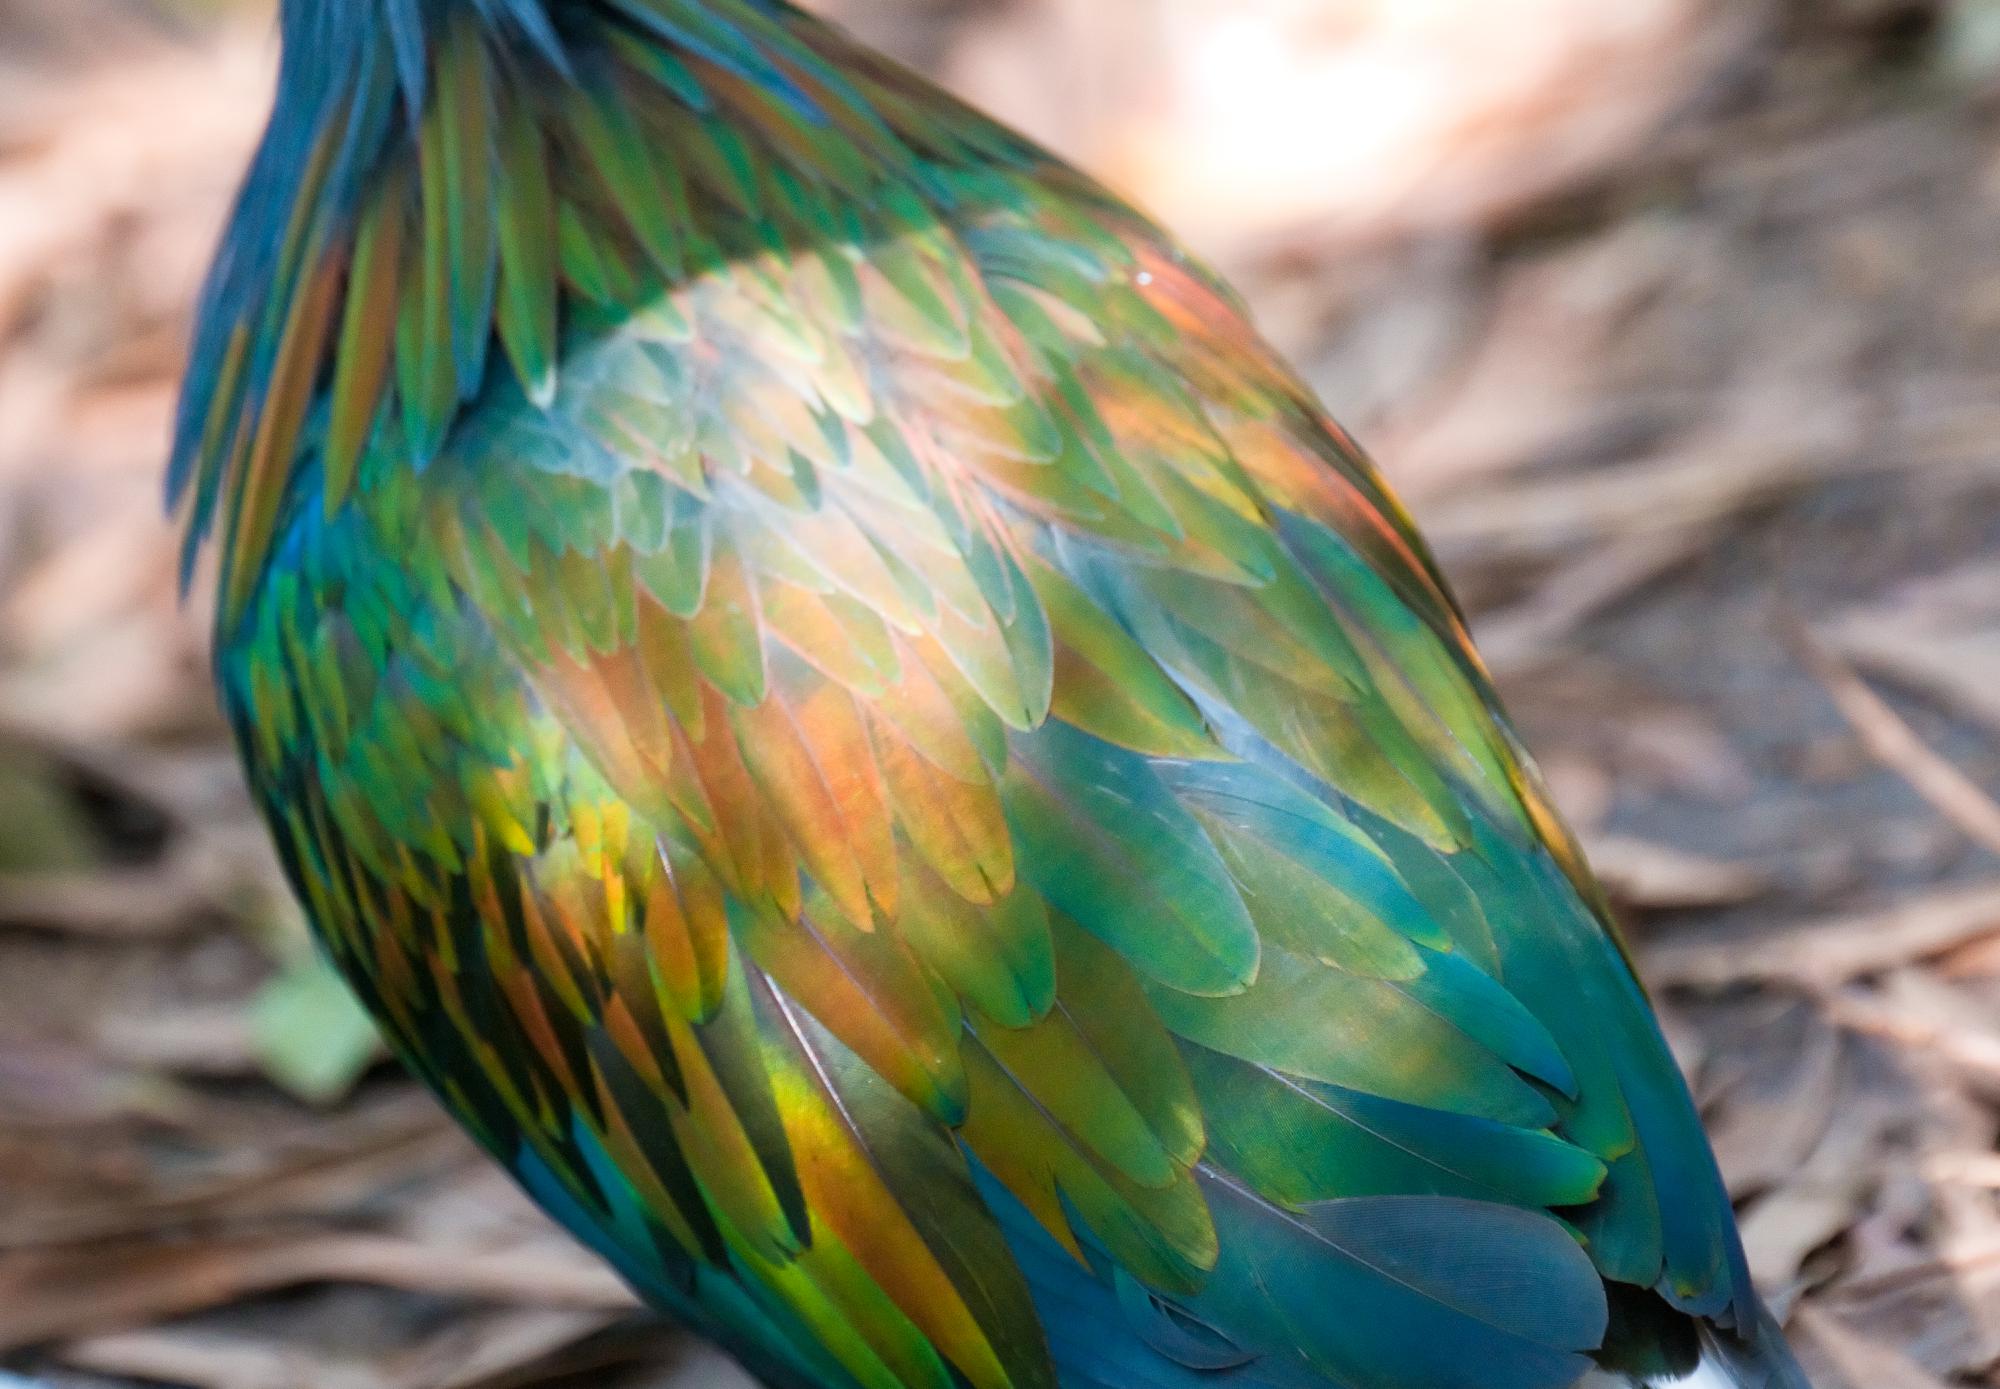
311, 1035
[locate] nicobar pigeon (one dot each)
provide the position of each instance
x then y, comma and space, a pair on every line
879, 750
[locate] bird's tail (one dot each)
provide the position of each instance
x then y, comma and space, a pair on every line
1763, 1361
1714, 1373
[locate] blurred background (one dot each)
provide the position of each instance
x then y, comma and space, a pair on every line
1677, 322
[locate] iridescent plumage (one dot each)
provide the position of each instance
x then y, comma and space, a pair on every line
883, 754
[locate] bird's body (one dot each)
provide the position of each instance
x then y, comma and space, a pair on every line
881, 752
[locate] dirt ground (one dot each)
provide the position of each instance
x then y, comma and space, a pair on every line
1676, 321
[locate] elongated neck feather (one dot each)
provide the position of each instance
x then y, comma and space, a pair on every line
447, 181
354, 82
328, 40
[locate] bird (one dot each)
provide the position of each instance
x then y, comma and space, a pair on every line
881, 751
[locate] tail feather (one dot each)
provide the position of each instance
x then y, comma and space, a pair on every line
1712, 1374
1727, 1362
1709, 1374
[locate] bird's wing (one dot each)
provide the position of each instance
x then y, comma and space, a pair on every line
927, 756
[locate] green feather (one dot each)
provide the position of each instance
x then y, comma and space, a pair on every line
466, 118
1105, 841
611, 145
1296, 1142
528, 255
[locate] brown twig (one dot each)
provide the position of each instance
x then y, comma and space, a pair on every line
1891, 741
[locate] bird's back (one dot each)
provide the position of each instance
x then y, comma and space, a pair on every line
882, 753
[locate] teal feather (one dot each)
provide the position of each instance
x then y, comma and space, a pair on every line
1104, 840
